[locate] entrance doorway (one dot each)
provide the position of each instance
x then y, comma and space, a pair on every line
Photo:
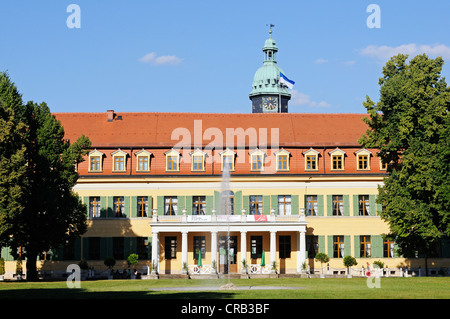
227, 256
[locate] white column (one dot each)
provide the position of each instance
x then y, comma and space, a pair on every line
214, 248
243, 249
273, 247
184, 248
301, 250
155, 251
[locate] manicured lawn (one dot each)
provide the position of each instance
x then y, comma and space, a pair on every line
328, 288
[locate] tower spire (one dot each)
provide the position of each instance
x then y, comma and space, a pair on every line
270, 29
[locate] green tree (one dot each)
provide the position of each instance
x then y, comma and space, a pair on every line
410, 127
50, 212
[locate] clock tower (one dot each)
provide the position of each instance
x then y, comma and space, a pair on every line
268, 95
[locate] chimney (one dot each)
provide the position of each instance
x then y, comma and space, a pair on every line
110, 115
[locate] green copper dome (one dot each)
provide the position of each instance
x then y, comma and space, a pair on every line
267, 77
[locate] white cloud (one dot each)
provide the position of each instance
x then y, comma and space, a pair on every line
320, 61
152, 58
383, 53
298, 98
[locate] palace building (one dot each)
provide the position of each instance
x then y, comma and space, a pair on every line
293, 185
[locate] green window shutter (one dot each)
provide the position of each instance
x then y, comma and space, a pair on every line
377, 246
86, 202
133, 245
149, 248
396, 254
217, 202
266, 204
126, 200
85, 248
104, 247
346, 199
209, 204
355, 205
372, 205
329, 205
103, 206
110, 211
237, 202
347, 246
356, 246
274, 203
188, 205
126, 247
181, 204
320, 205
77, 247
134, 206
246, 203
150, 206
321, 241
330, 252
294, 205
160, 205
379, 206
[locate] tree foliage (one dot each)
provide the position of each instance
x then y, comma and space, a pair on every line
48, 212
410, 127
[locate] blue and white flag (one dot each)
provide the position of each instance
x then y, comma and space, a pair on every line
286, 81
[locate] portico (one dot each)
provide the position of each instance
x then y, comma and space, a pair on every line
214, 239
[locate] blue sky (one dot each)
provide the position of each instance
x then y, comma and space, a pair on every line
200, 56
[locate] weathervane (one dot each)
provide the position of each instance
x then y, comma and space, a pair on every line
270, 28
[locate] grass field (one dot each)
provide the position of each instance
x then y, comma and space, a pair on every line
328, 288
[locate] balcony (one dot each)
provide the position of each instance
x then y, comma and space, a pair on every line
227, 218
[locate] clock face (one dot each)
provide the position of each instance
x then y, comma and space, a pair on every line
270, 103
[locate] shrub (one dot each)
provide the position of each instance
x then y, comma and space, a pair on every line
132, 260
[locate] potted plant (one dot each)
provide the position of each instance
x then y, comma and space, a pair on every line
348, 262
110, 262
132, 260
323, 258
244, 266
19, 269
2, 269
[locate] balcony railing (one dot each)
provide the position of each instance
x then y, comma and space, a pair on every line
227, 218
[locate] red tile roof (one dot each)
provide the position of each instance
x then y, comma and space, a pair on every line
142, 129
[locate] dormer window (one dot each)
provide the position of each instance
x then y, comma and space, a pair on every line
119, 161
337, 159
363, 159
282, 160
227, 159
143, 161
172, 161
311, 160
95, 161
257, 160
198, 161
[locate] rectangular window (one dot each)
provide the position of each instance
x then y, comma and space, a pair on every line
172, 163
363, 205
119, 163
256, 247
257, 162
199, 246
311, 162
142, 206
95, 163
311, 205
388, 248
338, 205
198, 205
284, 246
94, 248
256, 205
170, 205
363, 162
282, 162
364, 246
118, 248
118, 206
312, 246
284, 204
94, 207
337, 161
142, 247
171, 247
338, 246
142, 163
197, 164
